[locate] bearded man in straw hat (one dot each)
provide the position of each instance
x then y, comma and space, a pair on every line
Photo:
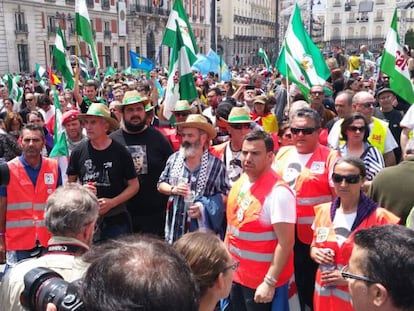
106, 168
239, 124
150, 151
196, 182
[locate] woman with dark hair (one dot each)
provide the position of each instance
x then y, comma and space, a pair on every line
211, 264
262, 115
355, 85
334, 229
355, 132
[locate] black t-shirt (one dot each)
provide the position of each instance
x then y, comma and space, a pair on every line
110, 168
150, 151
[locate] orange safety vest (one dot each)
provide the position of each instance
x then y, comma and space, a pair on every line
337, 298
312, 186
26, 204
249, 240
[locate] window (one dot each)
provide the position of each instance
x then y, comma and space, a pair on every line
107, 56
21, 26
107, 30
51, 27
138, 49
23, 56
122, 56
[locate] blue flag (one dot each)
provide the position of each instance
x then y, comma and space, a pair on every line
140, 62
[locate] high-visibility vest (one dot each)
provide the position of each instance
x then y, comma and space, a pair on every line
312, 186
337, 298
378, 134
249, 240
26, 204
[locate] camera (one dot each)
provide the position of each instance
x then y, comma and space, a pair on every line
43, 285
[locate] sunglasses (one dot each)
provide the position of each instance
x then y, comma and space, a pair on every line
356, 128
181, 114
239, 126
233, 267
347, 275
368, 105
29, 99
305, 131
349, 179
317, 92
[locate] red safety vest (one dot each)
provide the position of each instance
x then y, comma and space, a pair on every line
312, 186
26, 204
249, 240
337, 298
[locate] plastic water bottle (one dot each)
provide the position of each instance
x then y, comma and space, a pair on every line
330, 267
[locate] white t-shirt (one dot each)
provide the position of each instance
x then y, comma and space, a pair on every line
342, 224
408, 119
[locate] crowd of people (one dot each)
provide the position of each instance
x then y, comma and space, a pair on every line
256, 196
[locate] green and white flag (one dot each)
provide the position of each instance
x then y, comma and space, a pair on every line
300, 60
262, 53
15, 92
84, 69
179, 15
394, 64
84, 29
60, 147
41, 76
62, 61
180, 83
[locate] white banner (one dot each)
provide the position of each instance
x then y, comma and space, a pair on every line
121, 19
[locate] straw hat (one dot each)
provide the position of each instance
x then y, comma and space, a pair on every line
134, 97
259, 99
239, 115
101, 110
181, 105
199, 122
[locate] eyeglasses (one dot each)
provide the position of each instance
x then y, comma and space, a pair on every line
356, 128
350, 179
233, 267
181, 114
239, 126
305, 131
29, 99
347, 275
368, 105
317, 92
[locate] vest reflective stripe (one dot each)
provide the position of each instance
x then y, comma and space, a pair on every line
327, 292
261, 257
19, 224
314, 200
39, 207
19, 206
305, 220
40, 223
251, 236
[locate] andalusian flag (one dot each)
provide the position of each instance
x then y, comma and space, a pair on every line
60, 147
300, 60
41, 76
62, 61
179, 15
262, 53
180, 83
394, 64
84, 29
15, 92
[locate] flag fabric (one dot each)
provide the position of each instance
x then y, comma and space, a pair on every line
41, 76
300, 59
15, 92
84, 29
262, 53
62, 61
212, 62
180, 83
140, 62
53, 79
394, 64
179, 15
225, 74
84, 69
110, 71
60, 147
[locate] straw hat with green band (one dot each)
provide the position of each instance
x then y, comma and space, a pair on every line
101, 110
200, 122
239, 115
181, 105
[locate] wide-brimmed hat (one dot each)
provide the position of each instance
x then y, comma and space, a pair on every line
200, 122
70, 115
182, 105
134, 97
100, 110
239, 115
259, 99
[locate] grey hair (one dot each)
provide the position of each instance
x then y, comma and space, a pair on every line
306, 112
69, 209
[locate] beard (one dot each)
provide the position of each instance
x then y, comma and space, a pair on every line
189, 150
134, 127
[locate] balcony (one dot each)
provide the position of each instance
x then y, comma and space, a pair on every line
90, 3
107, 34
51, 29
336, 21
70, 2
380, 2
21, 28
106, 5
379, 19
194, 17
336, 4
351, 20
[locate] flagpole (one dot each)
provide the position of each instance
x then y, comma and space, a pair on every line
287, 85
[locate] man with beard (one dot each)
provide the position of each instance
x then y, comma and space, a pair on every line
196, 182
150, 151
32, 179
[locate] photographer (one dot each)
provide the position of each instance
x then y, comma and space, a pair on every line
70, 216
